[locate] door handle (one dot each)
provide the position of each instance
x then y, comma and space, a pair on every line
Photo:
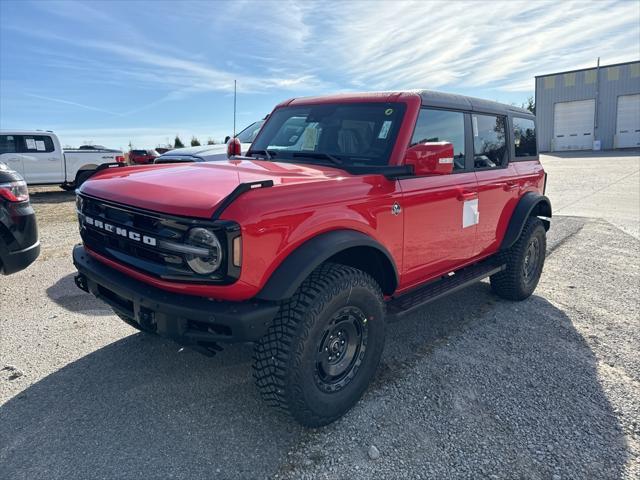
511, 185
465, 195
52, 159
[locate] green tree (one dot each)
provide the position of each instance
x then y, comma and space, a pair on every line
530, 105
177, 143
211, 141
195, 142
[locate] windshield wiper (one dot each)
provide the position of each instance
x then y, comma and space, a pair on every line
321, 155
267, 154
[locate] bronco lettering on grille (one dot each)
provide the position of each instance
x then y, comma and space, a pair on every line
123, 232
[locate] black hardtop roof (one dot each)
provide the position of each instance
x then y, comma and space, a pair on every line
432, 98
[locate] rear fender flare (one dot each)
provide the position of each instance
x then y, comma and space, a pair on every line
531, 204
85, 168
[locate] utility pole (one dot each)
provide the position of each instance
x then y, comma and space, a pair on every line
596, 136
234, 108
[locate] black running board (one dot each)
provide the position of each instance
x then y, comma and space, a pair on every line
409, 302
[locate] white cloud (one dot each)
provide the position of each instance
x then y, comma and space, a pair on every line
75, 104
388, 45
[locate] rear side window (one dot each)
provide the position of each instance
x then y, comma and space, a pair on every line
489, 141
37, 143
7, 144
524, 137
442, 126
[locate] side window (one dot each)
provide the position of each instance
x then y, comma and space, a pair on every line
489, 141
8, 144
524, 137
442, 126
37, 144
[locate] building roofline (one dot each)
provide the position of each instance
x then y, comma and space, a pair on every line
588, 68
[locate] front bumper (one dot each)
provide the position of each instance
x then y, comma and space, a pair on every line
188, 320
12, 262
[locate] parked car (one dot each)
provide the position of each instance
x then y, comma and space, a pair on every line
142, 157
209, 153
19, 245
345, 211
39, 159
162, 150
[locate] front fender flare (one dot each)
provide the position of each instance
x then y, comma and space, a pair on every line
290, 274
531, 204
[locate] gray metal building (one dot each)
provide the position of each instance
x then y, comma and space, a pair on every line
578, 107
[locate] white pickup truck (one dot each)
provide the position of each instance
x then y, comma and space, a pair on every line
38, 157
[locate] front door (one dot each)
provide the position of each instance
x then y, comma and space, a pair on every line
9, 152
439, 211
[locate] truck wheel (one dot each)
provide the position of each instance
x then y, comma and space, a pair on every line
81, 177
323, 348
131, 322
524, 261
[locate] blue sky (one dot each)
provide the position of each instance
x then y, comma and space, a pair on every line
117, 71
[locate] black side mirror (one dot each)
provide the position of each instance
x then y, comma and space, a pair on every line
226, 139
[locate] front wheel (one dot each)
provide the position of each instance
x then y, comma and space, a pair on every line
323, 348
524, 262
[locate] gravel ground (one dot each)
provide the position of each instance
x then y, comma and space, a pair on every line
470, 387
547, 388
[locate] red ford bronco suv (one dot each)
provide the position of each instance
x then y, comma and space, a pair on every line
346, 211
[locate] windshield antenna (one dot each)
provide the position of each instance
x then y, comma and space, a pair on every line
234, 109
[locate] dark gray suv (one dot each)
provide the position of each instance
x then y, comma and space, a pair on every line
19, 245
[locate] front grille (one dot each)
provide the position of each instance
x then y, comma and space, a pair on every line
106, 229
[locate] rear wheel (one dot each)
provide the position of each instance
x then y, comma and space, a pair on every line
324, 346
82, 177
524, 262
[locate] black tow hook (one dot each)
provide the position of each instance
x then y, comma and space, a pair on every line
81, 282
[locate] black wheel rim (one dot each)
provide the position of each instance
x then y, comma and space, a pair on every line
341, 349
531, 259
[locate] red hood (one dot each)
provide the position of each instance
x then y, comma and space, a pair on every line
195, 189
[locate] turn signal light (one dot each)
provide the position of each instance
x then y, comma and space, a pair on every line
237, 252
14, 191
119, 159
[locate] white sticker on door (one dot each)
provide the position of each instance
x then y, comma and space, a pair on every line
470, 213
40, 145
31, 143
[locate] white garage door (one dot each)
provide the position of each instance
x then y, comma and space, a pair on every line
628, 121
573, 125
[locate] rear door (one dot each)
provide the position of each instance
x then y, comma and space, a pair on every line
498, 180
9, 152
438, 233
42, 162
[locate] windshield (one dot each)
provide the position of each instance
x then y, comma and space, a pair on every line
248, 135
344, 133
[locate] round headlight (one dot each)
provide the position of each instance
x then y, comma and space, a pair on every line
201, 237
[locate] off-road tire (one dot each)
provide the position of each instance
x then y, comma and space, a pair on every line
512, 283
286, 367
131, 322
